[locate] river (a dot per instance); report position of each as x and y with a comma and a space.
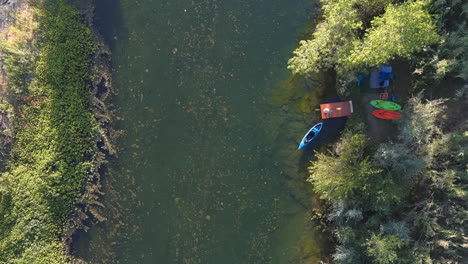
208, 170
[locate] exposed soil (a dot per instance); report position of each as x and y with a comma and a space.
378, 129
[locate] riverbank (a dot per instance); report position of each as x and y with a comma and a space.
55, 83
395, 191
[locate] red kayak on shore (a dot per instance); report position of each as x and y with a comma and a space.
386, 114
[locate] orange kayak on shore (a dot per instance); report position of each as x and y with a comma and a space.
386, 114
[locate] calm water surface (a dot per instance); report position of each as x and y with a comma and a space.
208, 170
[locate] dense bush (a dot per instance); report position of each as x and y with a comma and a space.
332, 40
401, 202
340, 177
405, 200
401, 31
449, 59
339, 43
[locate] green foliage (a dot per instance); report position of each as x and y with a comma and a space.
353, 176
453, 20
401, 31
384, 249
386, 193
332, 40
42, 252
370, 8
398, 158
54, 140
420, 123
404, 201
448, 60
441, 217
338, 42
375, 218
340, 177
398, 228
17, 68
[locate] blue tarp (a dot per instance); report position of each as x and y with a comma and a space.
381, 78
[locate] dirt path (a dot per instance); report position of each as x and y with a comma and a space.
378, 129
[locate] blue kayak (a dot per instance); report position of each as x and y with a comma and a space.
311, 135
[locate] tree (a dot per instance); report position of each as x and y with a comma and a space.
400, 32
345, 255
337, 42
337, 177
420, 122
332, 40
399, 159
384, 249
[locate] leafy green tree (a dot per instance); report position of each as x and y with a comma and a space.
337, 177
399, 228
400, 32
420, 123
399, 159
338, 42
332, 40
440, 217
371, 8
383, 249
385, 194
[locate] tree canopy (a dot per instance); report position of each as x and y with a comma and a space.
339, 43
332, 40
339, 177
401, 31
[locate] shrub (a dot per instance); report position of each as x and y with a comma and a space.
338, 177
400, 32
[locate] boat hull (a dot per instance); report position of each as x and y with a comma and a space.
316, 129
386, 114
385, 105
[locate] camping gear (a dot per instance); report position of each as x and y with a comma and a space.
380, 78
361, 78
339, 109
386, 114
311, 135
384, 96
385, 105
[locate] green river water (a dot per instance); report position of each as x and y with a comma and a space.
208, 169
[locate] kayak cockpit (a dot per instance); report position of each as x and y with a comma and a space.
310, 136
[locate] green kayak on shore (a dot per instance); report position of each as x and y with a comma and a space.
385, 105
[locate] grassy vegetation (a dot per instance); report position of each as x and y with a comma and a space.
403, 200
54, 131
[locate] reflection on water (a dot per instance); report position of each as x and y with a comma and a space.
208, 170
